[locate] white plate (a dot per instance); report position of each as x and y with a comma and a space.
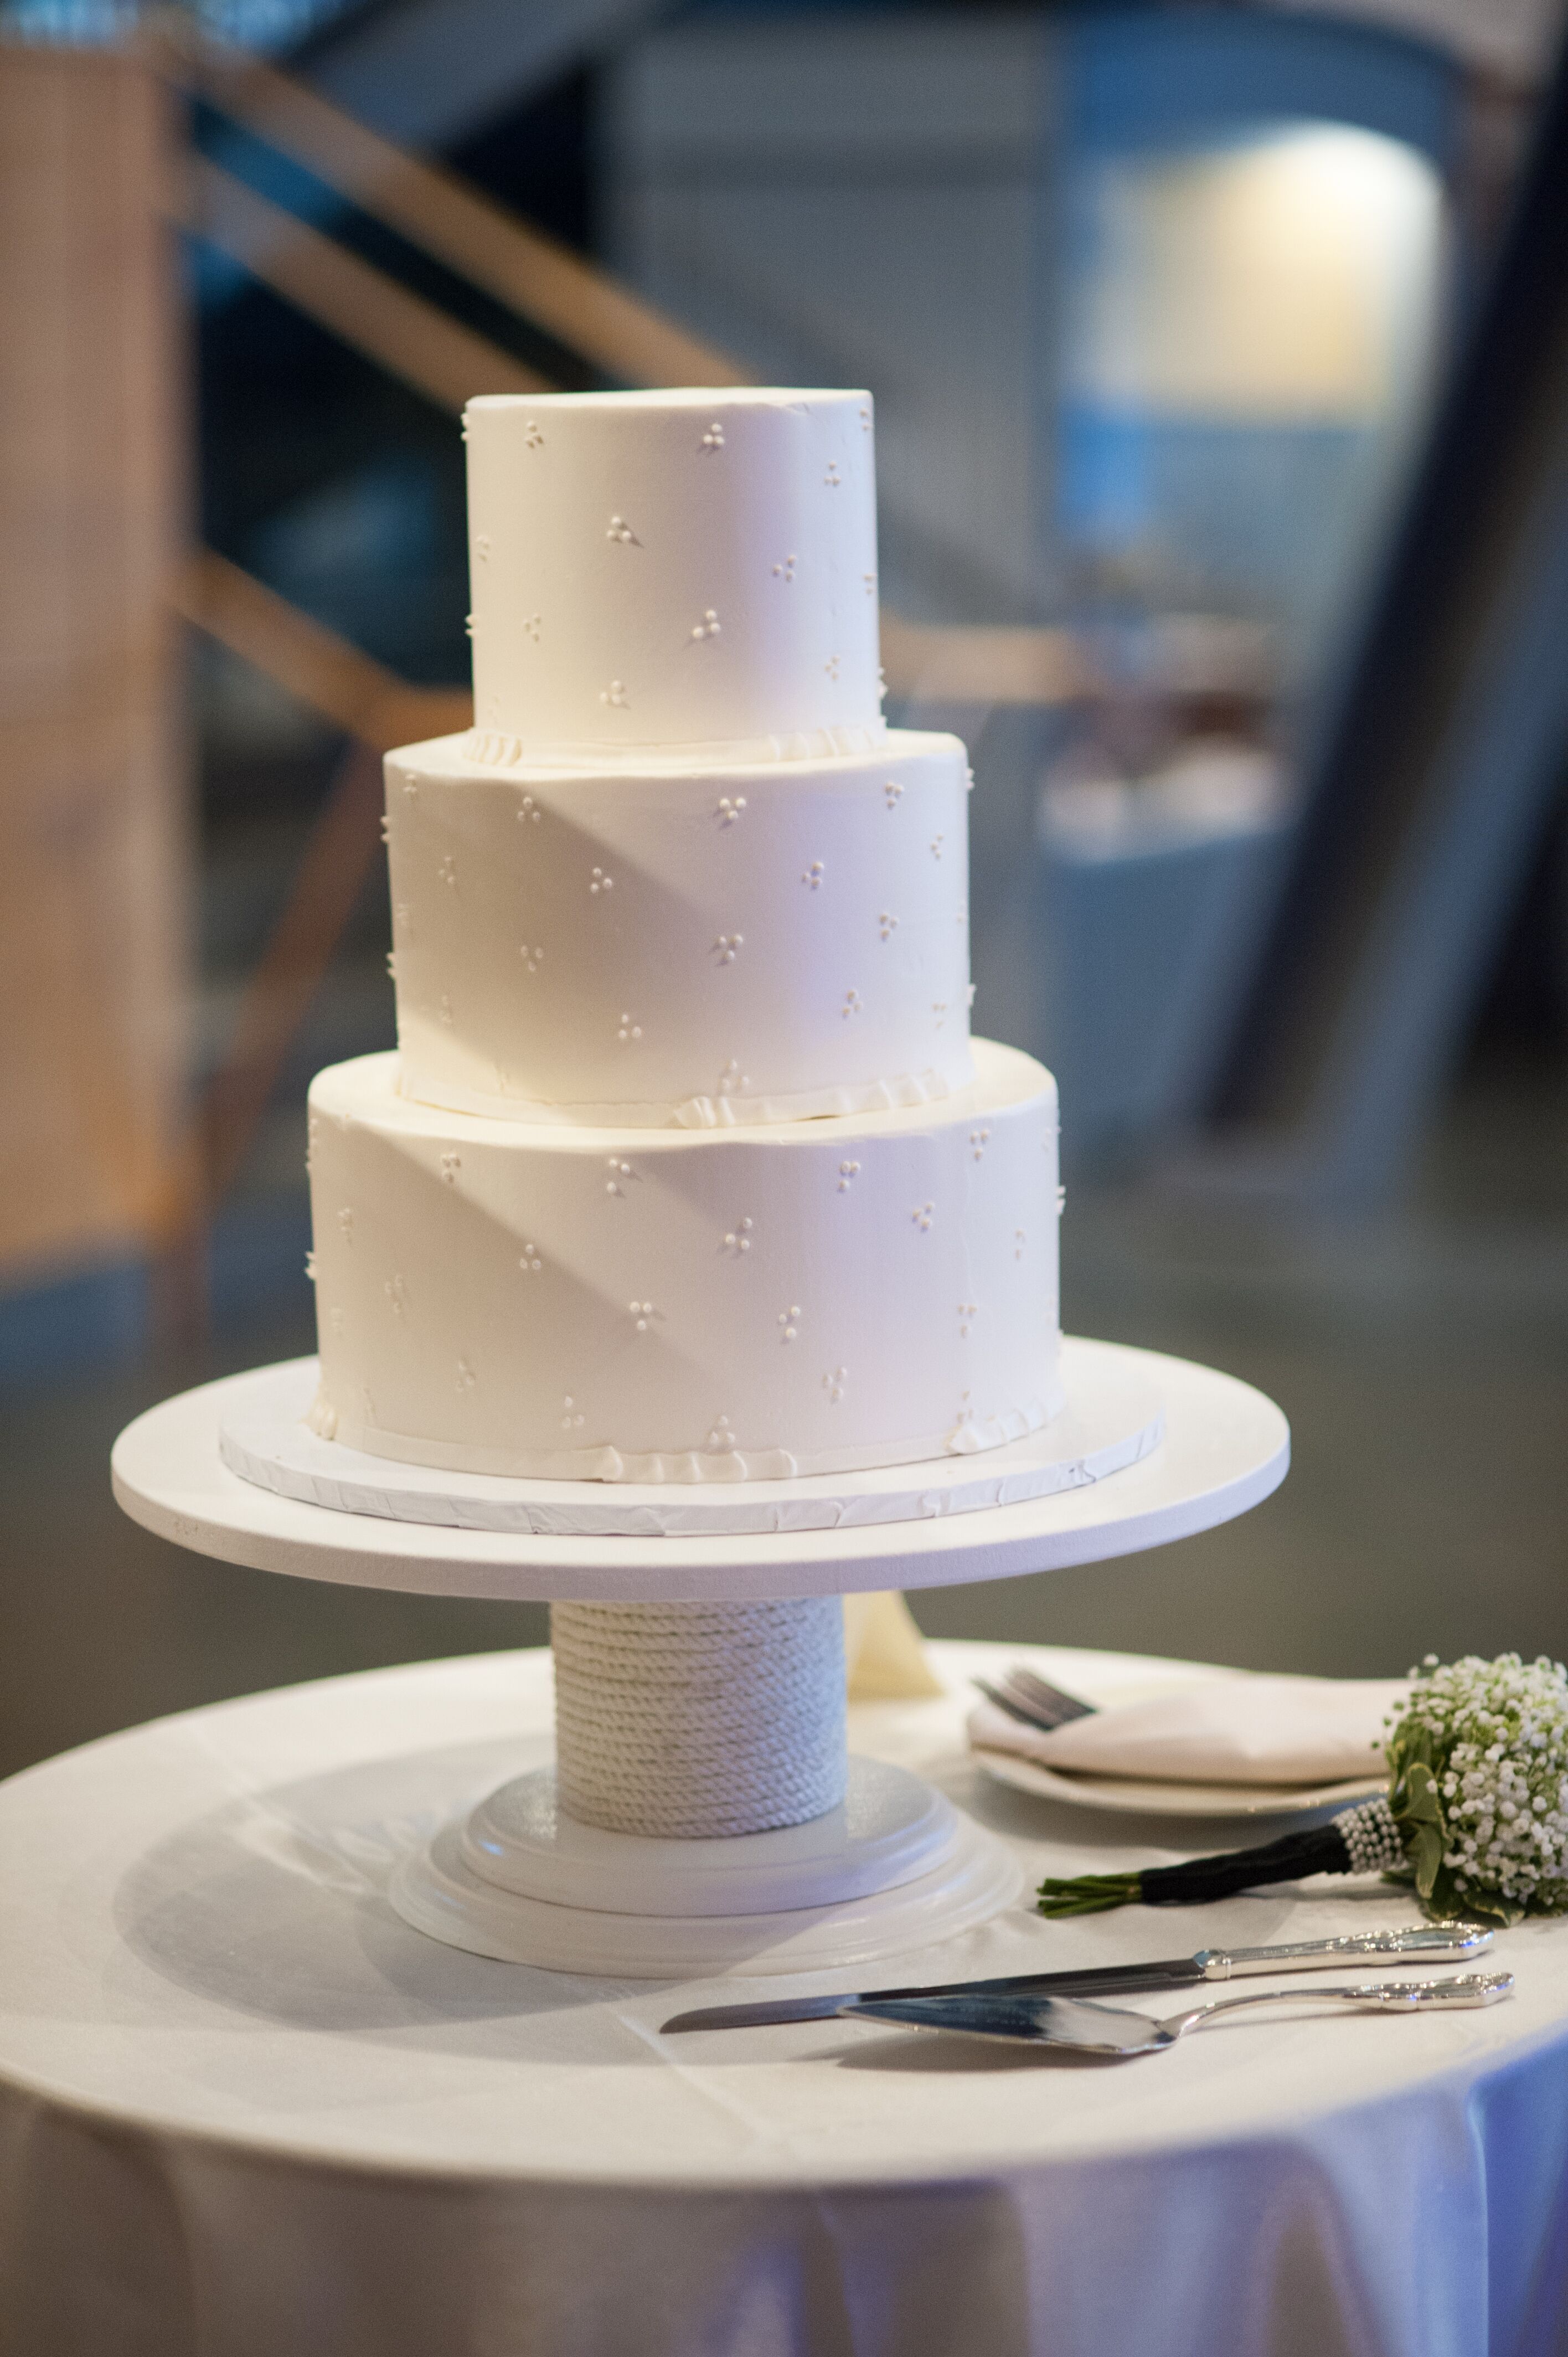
1129, 1797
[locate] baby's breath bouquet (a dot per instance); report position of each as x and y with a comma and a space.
1478, 1786
1475, 1814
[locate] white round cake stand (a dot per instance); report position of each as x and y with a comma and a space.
895, 1866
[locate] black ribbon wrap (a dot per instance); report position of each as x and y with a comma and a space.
1320, 1850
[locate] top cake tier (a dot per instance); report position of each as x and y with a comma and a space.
675, 570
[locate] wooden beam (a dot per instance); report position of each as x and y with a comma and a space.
581, 306
399, 331
94, 830
312, 663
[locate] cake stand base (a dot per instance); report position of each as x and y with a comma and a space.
895, 1867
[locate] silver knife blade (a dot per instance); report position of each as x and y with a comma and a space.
1432, 1942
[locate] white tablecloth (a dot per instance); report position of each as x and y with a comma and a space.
245, 2113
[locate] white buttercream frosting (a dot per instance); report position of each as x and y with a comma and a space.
683, 1304
703, 946
672, 569
687, 1170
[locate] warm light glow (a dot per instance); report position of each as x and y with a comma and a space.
1291, 279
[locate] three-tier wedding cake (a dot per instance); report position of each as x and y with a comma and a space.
686, 1167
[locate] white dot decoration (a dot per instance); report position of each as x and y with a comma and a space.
786, 571
446, 1010
482, 545
936, 846
619, 1171
621, 532
709, 626
812, 875
848, 1173
731, 1079
467, 1378
1019, 1242
396, 1295
886, 925
788, 1322
532, 626
968, 780
714, 440
832, 666
729, 810
642, 1314
532, 959
335, 1319
721, 1440
1061, 1199
969, 995
968, 1311
467, 626
386, 828
599, 882
853, 1005
530, 1261
615, 695
629, 1032
727, 946
392, 963
870, 581
411, 789
892, 793
310, 1266
979, 1140
922, 1215
940, 1009
572, 1419
833, 1384
737, 1239
450, 1165
346, 1224
532, 436
865, 421
528, 812
447, 871
833, 478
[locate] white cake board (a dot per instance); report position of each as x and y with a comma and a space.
263, 1438
895, 1867
1225, 1449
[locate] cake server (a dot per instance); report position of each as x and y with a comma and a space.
1427, 1944
1107, 2030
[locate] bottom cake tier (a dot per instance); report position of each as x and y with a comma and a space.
679, 1306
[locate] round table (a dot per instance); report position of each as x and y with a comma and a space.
246, 2111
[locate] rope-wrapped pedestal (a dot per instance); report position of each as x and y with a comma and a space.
699, 1721
702, 1814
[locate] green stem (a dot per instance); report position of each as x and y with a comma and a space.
1089, 1894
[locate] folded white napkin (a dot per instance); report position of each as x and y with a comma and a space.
1249, 1730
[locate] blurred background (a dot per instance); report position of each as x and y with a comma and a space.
1220, 357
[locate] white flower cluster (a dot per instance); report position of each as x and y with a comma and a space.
1498, 1732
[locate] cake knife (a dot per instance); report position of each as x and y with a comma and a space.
1428, 1943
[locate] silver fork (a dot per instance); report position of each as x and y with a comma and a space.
1033, 1700
1107, 2030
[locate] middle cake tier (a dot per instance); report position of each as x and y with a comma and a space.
670, 1306
649, 946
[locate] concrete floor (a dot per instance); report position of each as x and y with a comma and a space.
1423, 1361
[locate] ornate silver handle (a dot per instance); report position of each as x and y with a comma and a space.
1378, 1996
1431, 1944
